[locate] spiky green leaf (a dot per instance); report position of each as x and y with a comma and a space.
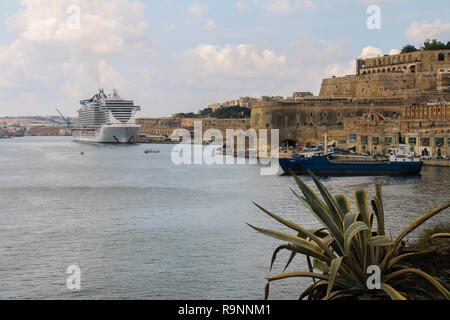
414, 225
334, 210
275, 253
323, 216
298, 274
445, 293
361, 203
343, 203
440, 235
304, 233
380, 241
335, 264
391, 292
302, 246
350, 233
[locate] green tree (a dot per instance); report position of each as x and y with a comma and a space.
433, 45
206, 112
235, 112
409, 48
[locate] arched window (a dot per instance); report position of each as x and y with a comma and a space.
441, 57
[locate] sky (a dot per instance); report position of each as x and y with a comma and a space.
180, 56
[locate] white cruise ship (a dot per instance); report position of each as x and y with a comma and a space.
107, 119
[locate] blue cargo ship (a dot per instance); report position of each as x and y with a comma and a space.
401, 161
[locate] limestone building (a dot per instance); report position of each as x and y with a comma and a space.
387, 98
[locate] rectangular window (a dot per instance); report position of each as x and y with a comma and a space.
388, 140
412, 140
364, 139
439, 142
425, 142
375, 140
353, 137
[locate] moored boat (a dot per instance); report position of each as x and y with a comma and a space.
107, 119
401, 161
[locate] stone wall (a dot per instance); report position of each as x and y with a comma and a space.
374, 85
305, 123
47, 131
166, 126
158, 126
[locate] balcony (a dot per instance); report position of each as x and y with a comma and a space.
391, 64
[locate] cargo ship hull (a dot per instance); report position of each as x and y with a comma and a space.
322, 165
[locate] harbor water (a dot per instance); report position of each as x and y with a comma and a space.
141, 227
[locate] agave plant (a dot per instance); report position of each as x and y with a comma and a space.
340, 254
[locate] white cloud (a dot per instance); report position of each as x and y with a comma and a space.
231, 60
370, 52
394, 52
197, 9
105, 75
286, 6
259, 69
420, 31
106, 26
46, 55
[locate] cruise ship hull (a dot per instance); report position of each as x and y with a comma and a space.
323, 166
123, 134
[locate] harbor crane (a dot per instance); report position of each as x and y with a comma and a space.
66, 120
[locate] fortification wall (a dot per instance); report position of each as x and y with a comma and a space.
166, 126
376, 85
158, 126
303, 123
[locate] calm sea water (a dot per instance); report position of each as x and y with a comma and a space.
140, 227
